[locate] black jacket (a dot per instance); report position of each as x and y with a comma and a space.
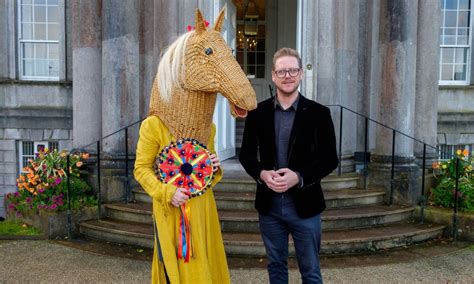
311, 152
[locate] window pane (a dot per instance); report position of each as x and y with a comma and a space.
261, 58
40, 31
27, 31
463, 19
260, 72
53, 31
463, 31
450, 19
451, 4
462, 40
447, 55
28, 50
449, 40
446, 72
251, 58
460, 72
53, 145
450, 31
52, 2
27, 13
41, 49
53, 51
461, 55
250, 70
40, 14
464, 4
41, 2
28, 148
53, 68
28, 67
42, 68
53, 14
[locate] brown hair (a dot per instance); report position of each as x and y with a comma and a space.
286, 51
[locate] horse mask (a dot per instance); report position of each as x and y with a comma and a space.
196, 67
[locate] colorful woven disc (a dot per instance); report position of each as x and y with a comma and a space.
185, 163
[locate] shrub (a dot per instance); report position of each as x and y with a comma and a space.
43, 185
445, 173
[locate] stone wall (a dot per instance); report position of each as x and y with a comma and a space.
30, 112
455, 115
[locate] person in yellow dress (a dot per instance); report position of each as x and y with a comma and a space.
181, 106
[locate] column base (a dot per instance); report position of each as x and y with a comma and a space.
406, 183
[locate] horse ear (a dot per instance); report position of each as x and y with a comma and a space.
200, 22
220, 20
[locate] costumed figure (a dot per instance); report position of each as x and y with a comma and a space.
175, 153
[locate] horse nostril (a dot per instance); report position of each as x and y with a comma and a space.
208, 51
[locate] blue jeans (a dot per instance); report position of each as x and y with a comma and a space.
275, 228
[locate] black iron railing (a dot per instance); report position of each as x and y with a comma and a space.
395, 134
367, 120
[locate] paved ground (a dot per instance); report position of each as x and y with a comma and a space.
54, 262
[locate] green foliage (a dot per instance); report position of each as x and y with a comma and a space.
8, 228
445, 172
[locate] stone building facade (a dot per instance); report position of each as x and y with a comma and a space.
74, 71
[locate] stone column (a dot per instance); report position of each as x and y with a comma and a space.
347, 69
120, 70
87, 69
427, 64
396, 103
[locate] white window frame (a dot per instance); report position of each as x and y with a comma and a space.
21, 41
469, 51
50, 145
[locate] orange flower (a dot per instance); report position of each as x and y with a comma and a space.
435, 165
79, 164
465, 152
85, 156
63, 154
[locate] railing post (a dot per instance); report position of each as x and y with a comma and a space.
98, 180
339, 170
366, 144
69, 213
392, 174
423, 199
456, 193
127, 180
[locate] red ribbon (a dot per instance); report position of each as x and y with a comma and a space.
190, 28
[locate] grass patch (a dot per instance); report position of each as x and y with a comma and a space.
9, 228
471, 247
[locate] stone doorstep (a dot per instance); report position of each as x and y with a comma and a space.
250, 244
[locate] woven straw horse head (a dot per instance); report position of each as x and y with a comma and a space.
196, 67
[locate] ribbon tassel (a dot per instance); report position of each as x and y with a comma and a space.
185, 248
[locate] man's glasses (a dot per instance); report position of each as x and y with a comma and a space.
293, 72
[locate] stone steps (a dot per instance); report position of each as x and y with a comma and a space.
250, 244
245, 184
247, 221
356, 219
245, 200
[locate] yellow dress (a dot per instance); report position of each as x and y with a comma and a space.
209, 263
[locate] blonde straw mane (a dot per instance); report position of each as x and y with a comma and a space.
171, 69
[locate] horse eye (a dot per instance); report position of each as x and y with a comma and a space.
208, 51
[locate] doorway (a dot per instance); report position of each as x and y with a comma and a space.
263, 26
